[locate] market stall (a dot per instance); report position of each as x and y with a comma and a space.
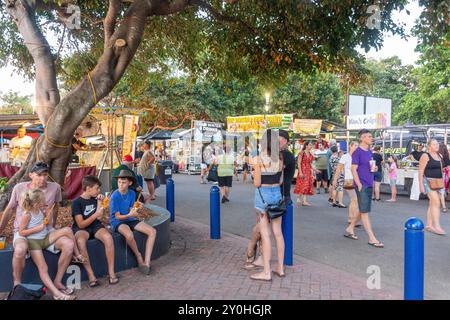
250, 128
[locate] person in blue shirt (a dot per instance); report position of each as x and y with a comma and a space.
124, 219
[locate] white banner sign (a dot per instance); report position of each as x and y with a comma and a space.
367, 121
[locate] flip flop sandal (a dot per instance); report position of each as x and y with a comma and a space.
376, 245
64, 297
94, 284
351, 236
67, 291
79, 259
113, 280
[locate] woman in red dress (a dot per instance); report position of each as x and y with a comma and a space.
305, 179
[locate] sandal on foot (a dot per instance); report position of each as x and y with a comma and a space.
113, 280
79, 259
64, 297
144, 269
94, 284
376, 244
350, 236
66, 291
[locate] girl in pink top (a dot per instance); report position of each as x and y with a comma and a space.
392, 160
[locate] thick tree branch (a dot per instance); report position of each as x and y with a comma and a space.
47, 93
109, 23
167, 7
219, 16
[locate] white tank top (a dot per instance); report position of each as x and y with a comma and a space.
35, 221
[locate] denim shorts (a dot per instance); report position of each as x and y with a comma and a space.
364, 199
428, 189
271, 195
378, 176
392, 182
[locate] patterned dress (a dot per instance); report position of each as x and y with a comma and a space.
334, 161
305, 186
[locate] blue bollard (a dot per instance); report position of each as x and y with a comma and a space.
287, 225
414, 260
170, 198
214, 211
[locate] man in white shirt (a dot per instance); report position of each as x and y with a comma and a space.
20, 147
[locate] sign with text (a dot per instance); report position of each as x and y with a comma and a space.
256, 123
367, 121
307, 127
130, 133
205, 131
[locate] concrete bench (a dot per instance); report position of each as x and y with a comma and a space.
124, 258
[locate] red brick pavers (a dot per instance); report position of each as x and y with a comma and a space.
199, 268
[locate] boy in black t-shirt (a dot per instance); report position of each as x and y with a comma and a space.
86, 212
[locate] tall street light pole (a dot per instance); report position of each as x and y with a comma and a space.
266, 108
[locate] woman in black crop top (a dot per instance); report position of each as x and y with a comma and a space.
430, 167
267, 178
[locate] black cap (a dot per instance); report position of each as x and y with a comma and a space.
39, 167
284, 134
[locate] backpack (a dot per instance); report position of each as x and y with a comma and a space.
27, 292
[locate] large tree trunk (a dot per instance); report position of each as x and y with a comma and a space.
46, 89
54, 148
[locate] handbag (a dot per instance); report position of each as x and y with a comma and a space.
436, 184
349, 184
27, 292
275, 210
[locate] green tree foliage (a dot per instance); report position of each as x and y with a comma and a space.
316, 96
429, 102
12, 102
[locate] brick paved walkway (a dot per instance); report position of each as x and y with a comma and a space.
199, 268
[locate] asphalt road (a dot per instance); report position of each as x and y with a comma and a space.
318, 232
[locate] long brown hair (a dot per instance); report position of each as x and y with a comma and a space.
30, 198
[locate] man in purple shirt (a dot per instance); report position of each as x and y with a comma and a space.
363, 175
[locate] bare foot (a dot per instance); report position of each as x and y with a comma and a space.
261, 276
258, 262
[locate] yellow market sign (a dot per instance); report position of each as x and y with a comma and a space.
255, 123
307, 127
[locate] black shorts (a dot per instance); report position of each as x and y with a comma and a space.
131, 224
245, 167
92, 229
322, 175
226, 181
148, 179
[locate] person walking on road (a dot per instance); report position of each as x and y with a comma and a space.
147, 168
345, 165
431, 182
337, 180
363, 168
392, 160
321, 168
226, 163
304, 186
378, 176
